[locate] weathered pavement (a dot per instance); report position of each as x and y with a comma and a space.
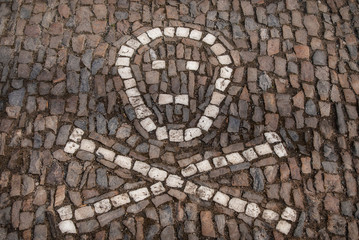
179, 119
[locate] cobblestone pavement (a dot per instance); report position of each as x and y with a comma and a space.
179, 119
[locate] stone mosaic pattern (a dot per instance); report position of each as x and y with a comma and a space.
179, 119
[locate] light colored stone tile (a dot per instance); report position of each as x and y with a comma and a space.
192, 133
154, 33
283, 227
264, 34
219, 162
280, 150
222, 84
141, 167
102, 206
129, 83
192, 65
144, 39
84, 212
270, 215
211, 111
136, 101
157, 188
125, 72
65, 212
204, 123
165, 99
182, 99
71, 147
139, 194
106, 154
176, 135
234, 158
133, 92
195, 34
120, 200
272, 137
189, 170
226, 72
205, 193
221, 198
157, 174
123, 161
142, 112
148, 124
133, 43
237, 204
174, 181
217, 98
263, 149
126, 51
169, 31
88, 145
253, 210
161, 133
190, 188
250, 154
289, 214
123, 61
209, 39
204, 166
159, 64
67, 226
76, 135
218, 49
224, 59
182, 32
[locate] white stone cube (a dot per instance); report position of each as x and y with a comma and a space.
226, 72
142, 112
176, 135
182, 32
88, 145
192, 65
253, 210
217, 98
270, 215
237, 204
106, 154
67, 226
289, 214
211, 111
157, 174
141, 167
169, 31
133, 43
195, 34
250, 154
234, 158
136, 101
65, 212
161, 133
221, 198
76, 134
182, 99
209, 39
71, 147
125, 72
123, 161
189, 170
154, 33
133, 92
120, 200
157, 188
283, 227
224, 59
218, 49
129, 83
204, 166
123, 61
165, 99
126, 51
159, 64
219, 162
263, 149
144, 39
148, 124
222, 84
204, 123
102, 206
190, 188
174, 181
192, 133
272, 137
280, 150
205, 193
264, 34
84, 212
139, 194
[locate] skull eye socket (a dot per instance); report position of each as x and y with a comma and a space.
179, 70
